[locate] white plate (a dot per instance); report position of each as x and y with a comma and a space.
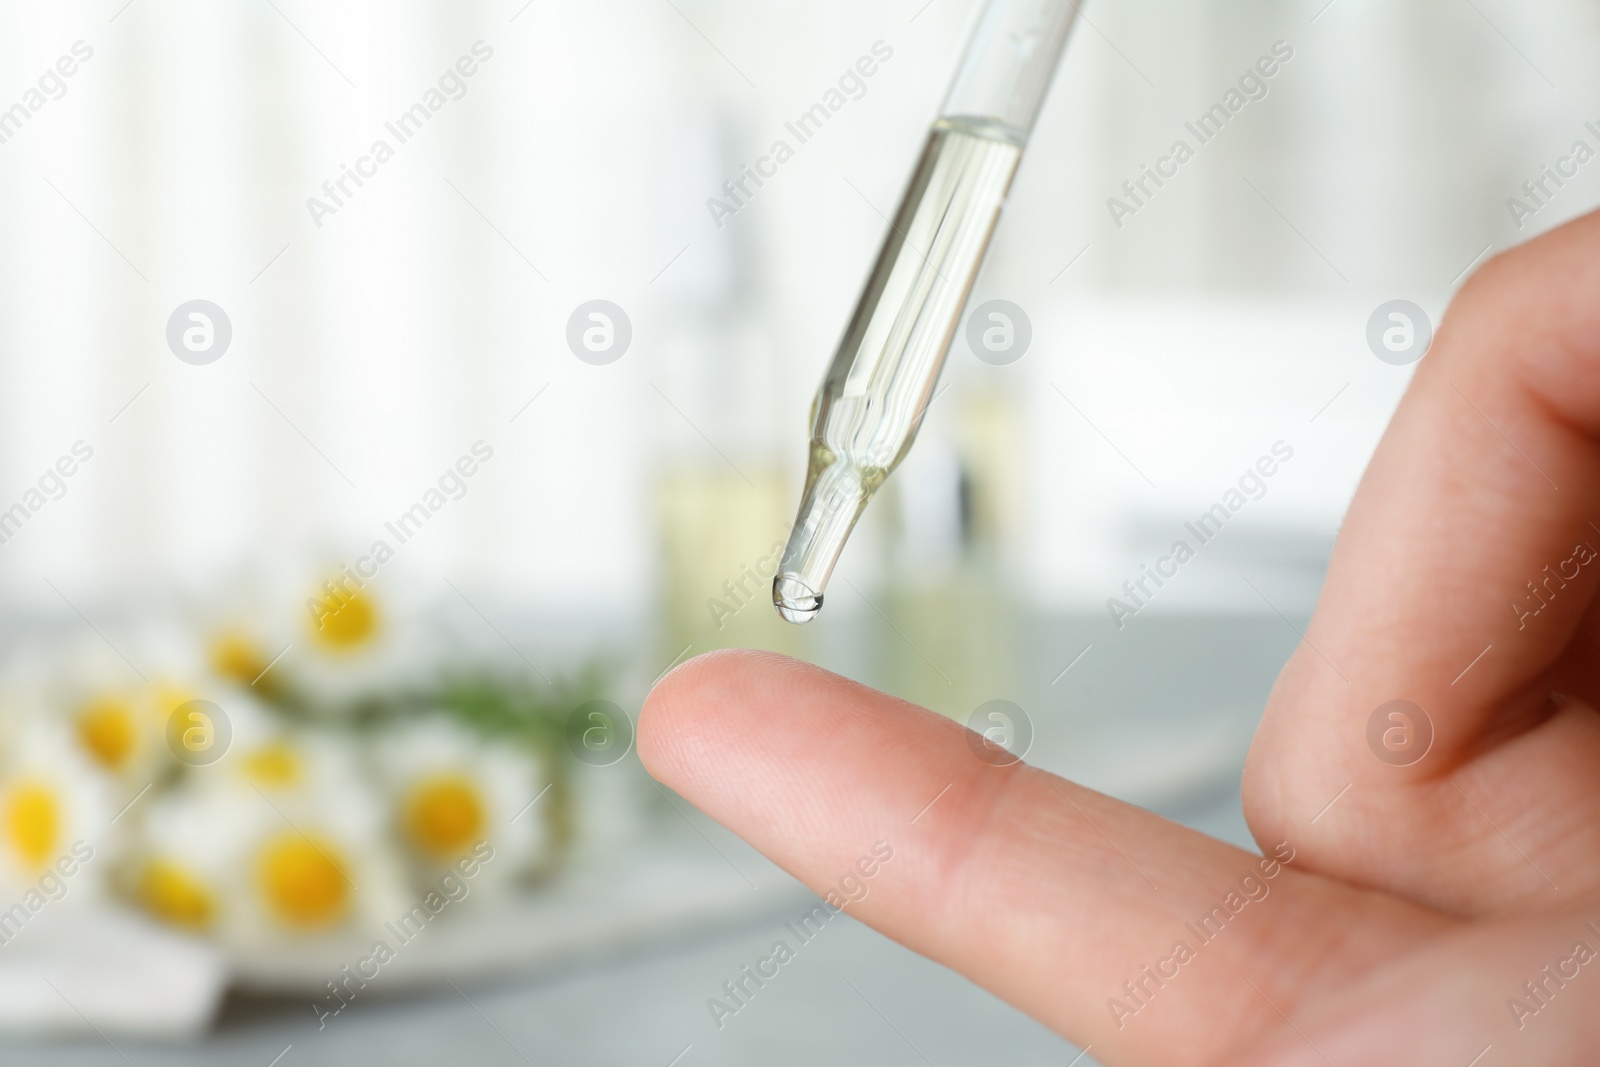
652, 893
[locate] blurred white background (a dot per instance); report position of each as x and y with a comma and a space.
372, 349
374, 345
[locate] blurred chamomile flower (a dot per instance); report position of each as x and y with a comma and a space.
118, 713
280, 839
354, 639
53, 805
244, 631
324, 639
449, 789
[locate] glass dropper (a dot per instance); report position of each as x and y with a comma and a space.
882, 378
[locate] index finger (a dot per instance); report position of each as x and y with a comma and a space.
1067, 903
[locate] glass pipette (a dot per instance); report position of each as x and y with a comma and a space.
882, 379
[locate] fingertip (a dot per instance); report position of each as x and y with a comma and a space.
696, 699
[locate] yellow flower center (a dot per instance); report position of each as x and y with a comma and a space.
32, 821
234, 655
107, 730
274, 765
170, 697
345, 621
444, 817
302, 881
171, 893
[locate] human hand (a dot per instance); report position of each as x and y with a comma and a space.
1401, 909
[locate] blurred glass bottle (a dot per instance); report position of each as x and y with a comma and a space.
722, 496
948, 593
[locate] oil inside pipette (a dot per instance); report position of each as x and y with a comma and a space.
883, 376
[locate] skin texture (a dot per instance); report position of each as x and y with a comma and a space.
1412, 910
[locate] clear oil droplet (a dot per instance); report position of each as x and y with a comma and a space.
796, 601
